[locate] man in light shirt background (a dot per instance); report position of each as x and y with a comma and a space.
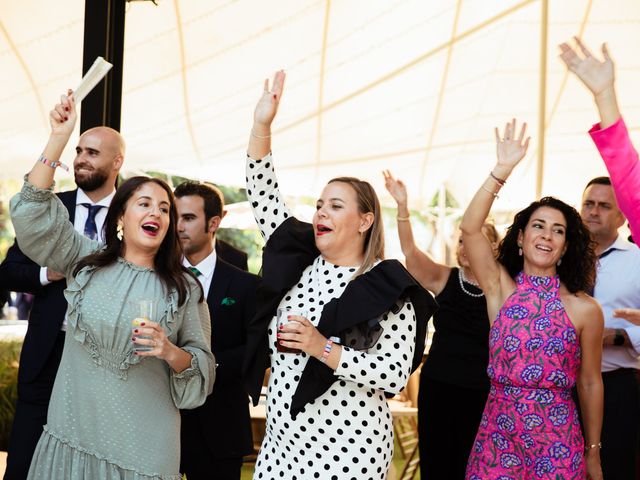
617, 287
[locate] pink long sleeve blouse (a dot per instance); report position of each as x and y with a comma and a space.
623, 165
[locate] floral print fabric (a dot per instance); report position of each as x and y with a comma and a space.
530, 428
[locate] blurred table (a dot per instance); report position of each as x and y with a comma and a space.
12, 330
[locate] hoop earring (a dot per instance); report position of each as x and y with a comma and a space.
120, 231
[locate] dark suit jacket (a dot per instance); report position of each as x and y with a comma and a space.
232, 255
18, 273
224, 419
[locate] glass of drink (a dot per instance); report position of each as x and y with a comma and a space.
282, 319
142, 311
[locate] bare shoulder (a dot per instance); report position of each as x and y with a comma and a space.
581, 308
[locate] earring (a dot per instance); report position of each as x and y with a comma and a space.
559, 262
120, 231
519, 250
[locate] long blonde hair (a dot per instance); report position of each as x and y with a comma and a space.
367, 203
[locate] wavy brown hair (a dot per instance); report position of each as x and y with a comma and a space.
368, 203
167, 261
578, 267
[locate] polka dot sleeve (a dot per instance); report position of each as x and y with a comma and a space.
268, 207
386, 365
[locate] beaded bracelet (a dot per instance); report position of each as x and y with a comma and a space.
326, 351
499, 181
592, 446
52, 164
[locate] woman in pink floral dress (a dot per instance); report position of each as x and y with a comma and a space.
546, 337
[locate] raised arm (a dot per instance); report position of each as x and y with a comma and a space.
62, 120
431, 275
268, 206
40, 220
263, 115
610, 136
492, 277
598, 76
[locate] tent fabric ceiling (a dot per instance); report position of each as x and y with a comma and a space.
409, 85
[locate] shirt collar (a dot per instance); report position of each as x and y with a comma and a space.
206, 266
82, 197
619, 244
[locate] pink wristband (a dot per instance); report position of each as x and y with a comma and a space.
51, 164
326, 351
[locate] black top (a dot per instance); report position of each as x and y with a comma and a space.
287, 253
460, 348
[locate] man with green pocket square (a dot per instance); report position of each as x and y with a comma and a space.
215, 436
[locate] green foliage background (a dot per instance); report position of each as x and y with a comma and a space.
9, 355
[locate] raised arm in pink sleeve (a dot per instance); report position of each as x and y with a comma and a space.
623, 165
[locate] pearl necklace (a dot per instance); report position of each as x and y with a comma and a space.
462, 279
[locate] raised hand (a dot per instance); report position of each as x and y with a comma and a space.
596, 75
395, 187
63, 116
511, 149
630, 314
267, 106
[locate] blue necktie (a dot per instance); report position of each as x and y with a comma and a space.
90, 227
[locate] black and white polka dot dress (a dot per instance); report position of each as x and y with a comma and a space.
347, 432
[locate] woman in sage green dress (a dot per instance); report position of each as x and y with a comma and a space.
114, 408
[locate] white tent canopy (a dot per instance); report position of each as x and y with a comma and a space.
411, 85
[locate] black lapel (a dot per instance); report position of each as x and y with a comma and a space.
219, 286
68, 199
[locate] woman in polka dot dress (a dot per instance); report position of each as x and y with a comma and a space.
342, 430
546, 336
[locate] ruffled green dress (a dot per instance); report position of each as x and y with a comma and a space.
113, 415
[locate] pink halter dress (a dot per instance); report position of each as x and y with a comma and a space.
530, 427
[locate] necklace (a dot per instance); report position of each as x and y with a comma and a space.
462, 279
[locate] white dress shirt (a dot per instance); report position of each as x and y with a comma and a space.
618, 286
207, 266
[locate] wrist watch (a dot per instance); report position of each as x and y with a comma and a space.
618, 340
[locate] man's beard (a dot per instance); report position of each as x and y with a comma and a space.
91, 181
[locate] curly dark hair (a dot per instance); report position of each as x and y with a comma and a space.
167, 261
578, 267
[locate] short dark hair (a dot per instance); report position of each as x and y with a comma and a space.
599, 181
211, 196
578, 268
